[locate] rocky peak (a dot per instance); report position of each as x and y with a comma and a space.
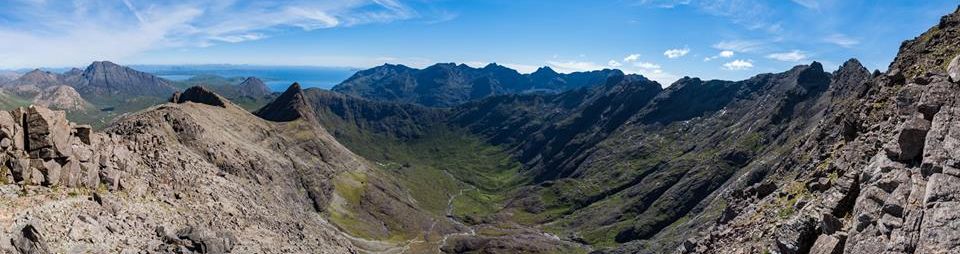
104, 79
291, 105
253, 87
544, 71
73, 72
199, 94
38, 78
852, 67
61, 97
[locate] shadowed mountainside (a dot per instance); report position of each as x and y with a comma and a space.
447, 85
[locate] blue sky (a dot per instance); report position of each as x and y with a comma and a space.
661, 39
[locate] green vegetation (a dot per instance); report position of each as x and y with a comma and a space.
8, 101
437, 166
787, 203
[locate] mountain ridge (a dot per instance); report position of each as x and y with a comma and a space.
450, 84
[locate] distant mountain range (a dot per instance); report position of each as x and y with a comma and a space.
448, 84
104, 90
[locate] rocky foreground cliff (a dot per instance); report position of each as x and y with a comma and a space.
197, 175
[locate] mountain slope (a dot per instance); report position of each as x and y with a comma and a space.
412, 145
63, 98
877, 177
103, 79
446, 85
198, 175
176, 176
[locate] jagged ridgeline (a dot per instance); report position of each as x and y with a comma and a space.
454, 159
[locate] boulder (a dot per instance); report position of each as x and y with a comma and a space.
204, 241
48, 133
83, 132
911, 138
829, 224
29, 241
827, 244
51, 172
954, 69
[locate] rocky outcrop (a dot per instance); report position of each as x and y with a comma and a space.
192, 167
42, 148
198, 94
30, 241
61, 97
884, 181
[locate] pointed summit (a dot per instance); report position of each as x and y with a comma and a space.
291, 105
253, 87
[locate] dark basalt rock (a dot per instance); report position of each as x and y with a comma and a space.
199, 94
911, 138
290, 106
448, 84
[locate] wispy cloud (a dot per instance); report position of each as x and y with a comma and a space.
738, 64
752, 14
841, 40
631, 58
739, 45
792, 56
809, 4
675, 53
56, 33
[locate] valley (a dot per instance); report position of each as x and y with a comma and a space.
455, 159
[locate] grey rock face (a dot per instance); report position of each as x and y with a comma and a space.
954, 68
827, 244
912, 136
107, 192
30, 241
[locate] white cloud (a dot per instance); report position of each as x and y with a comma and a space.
61, 33
792, 56
614, 63
738, 65
724, 54
522, 68
675, 53
841, 40
738, 45
632, 58
649, 70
